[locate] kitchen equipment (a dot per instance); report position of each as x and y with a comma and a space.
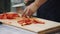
28, 2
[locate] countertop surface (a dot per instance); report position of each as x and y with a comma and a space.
6, 29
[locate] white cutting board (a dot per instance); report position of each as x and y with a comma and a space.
34, 27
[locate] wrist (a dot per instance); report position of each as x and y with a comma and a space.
38, 3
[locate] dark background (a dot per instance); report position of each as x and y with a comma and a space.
5, 6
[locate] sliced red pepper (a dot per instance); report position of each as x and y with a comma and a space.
38, 22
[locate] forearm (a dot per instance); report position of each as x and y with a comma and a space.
37, 4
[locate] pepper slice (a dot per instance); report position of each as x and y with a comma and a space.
28, 21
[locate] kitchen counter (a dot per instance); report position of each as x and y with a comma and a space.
6, 29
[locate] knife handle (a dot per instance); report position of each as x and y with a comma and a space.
1, 23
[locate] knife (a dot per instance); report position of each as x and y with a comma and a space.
1, 23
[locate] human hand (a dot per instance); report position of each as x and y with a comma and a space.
27, 12
30, 9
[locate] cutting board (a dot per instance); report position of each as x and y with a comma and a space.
33, 27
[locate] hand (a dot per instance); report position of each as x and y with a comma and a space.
28, 11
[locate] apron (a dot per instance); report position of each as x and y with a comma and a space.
50, 10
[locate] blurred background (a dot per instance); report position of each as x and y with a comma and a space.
12, 6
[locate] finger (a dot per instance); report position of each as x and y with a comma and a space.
25, 10
24, 13
30, 13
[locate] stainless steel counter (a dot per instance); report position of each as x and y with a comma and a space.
5, 29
